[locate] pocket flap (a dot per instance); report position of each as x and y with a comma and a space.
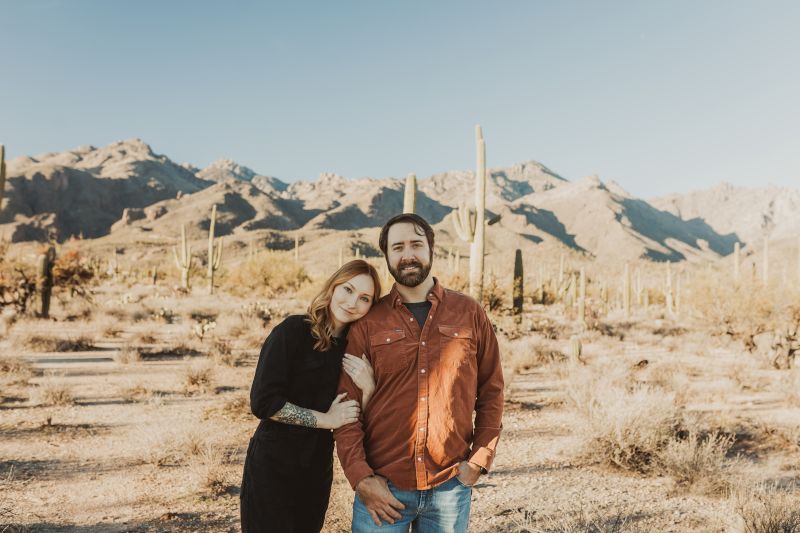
458, 332
387, 337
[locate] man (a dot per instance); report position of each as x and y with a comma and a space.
413, 455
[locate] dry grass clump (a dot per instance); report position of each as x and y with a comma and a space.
52, 343
268, 273
207, 469
53, 392
7, 513
128, 354
198, 378
222, 353
697, 464
766, 509
138, 392
590, 519
14, 370
621, 426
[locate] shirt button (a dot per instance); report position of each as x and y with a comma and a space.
422, 429
423, 343
455, 334
423, 370
419, 459
411, 319
387, 340
423, 398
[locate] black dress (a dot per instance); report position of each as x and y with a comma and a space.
289, 469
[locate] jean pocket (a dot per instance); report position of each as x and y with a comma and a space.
461, 483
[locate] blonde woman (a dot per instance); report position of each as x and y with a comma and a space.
289, 466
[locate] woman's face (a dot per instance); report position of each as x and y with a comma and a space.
352, 299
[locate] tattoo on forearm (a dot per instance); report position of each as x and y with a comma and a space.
292, 414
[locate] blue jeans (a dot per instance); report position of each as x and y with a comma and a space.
442, 509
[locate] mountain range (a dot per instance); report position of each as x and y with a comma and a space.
126, 191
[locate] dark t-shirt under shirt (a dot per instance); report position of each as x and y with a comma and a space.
419, 310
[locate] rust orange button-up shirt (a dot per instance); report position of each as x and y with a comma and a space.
418, 425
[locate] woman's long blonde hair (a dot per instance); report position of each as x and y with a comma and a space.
319, 312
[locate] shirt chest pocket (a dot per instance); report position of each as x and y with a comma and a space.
390, 351
456, 346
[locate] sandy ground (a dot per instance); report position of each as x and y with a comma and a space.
117, 461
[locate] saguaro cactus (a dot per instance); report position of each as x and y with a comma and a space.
736, 261
44, 281
626, 291
184, 263
668, 291
214, 253
517, 296
582, 298
2, 173
470, 223
410, 194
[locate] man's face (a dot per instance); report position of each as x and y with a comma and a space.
407, 254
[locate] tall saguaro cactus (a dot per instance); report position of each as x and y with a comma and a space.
214, 253
2, 172
410, 194
44, 281
582, 298
470, 222
668, 293
517, 296
626, 291
184, 263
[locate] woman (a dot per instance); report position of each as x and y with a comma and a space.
289, 466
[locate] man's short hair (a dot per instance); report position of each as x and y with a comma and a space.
421, 227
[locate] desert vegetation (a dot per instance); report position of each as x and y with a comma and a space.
639, 397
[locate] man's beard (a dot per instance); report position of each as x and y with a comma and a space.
413, 278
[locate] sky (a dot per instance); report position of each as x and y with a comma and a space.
660, 97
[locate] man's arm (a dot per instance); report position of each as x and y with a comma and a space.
350, 438
489, 405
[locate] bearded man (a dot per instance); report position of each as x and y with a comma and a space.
414, 454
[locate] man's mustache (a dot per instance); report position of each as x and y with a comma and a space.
409, 263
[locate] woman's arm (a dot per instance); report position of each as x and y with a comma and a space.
360, 371
339, 414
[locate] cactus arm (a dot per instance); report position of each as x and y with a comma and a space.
2, 172
410, 194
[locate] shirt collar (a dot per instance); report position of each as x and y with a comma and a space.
436, 293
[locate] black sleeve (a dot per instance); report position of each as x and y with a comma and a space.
271, 382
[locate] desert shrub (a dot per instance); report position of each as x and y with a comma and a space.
198, 378
222, 353
620, 426
207, 469
268, 274
586, 519
136, 393
52, 343
697, 463
72, 274
14, 370
741, 310
128, 354
766, 509
53, 392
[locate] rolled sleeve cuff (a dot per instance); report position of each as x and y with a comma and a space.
356, 472
482, 457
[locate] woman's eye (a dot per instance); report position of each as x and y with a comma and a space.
348, 289
365, 299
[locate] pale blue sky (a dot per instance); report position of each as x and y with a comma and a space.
662, 97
